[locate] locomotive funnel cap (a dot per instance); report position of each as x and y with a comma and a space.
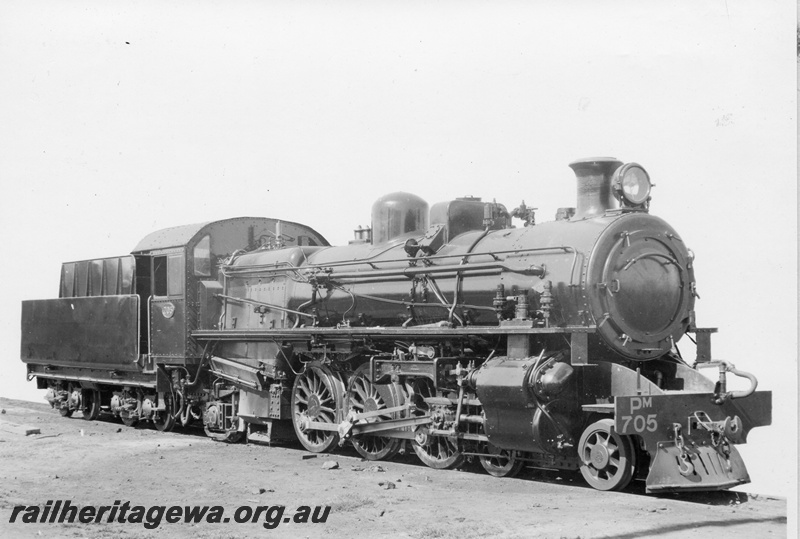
595, 194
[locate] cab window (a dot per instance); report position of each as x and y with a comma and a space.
202, 257
168, 275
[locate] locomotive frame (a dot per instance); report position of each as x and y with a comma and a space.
446, 330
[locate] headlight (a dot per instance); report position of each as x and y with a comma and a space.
632, 184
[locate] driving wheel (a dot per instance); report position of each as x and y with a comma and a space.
365, 396
315, 396
439, 452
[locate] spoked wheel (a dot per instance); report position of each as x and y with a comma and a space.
607, 459
90, 404
165, 421
364, 396
502, 462
65, 412
315, 396
439, 452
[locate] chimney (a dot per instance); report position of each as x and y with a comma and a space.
594, 185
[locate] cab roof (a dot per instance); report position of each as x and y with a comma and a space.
180, 236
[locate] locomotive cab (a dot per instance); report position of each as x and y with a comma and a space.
181, 266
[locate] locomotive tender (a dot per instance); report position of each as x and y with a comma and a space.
445, 329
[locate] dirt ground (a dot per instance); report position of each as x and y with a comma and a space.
95, 463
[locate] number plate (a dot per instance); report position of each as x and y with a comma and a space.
636, 415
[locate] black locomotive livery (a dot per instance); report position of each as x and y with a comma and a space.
446, 329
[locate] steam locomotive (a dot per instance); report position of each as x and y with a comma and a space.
443, 329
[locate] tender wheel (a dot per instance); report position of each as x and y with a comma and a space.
607, 459
502, 463
437, 452
364, 396
90, 404
314, 398
165, 421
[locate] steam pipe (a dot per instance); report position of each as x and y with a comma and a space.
450, 268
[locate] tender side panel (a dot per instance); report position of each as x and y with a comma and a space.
100, 332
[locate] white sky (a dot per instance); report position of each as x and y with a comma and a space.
118, 118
